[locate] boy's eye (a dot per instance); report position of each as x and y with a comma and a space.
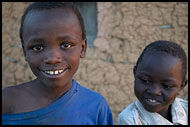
145, 81
37, 48
66, 45
167, 86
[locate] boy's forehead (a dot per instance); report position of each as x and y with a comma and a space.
154, 55
159, 58
161, 64
44, 22
55, 14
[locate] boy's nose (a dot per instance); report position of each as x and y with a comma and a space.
52, 58
155, 90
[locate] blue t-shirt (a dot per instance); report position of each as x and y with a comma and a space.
79, 106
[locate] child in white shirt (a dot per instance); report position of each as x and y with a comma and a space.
160, 74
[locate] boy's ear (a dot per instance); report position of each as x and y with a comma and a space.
134, 70
24, 52
84, 48
184, 84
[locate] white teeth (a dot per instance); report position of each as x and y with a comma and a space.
152, 100
54, 72
60, 71
48, 72
51, 72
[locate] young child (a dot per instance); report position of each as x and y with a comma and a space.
53, 39
160, 74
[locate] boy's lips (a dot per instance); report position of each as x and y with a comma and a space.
58, 71
152, 101
55, 73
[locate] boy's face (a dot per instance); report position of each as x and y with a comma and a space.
53, 45
158, 80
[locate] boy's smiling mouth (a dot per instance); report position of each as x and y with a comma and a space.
56, 73
152, 101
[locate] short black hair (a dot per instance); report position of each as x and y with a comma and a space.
170, 48
52, 5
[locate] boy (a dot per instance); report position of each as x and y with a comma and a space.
53, 40
160, 74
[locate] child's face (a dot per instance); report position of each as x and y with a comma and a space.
53, 45
158, 80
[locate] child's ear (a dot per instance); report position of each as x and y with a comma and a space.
184, 84
134, 70
24, 52
84, 47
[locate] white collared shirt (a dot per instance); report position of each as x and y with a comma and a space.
135, 114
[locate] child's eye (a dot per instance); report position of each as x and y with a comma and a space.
66, 45
145, 81
167, 86
37, 48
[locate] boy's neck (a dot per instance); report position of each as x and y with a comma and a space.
167, 114
52, 93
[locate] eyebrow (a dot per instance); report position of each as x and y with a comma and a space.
169, 80
165, 80
144, 73
36, 40
64, 38
41, 40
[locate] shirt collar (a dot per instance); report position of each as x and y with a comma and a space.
178, 115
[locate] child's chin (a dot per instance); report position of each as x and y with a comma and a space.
55, 83
151, 109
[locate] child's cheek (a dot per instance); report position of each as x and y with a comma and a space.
33, 60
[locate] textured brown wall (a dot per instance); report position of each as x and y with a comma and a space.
124, 29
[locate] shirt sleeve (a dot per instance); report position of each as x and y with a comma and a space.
129, 116
122, 121
105, 114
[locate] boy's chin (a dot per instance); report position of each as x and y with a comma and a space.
56, 82
152, 109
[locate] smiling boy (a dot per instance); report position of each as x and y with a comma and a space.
53, 40
160, 74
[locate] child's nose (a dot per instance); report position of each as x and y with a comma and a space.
53, 57
155, 90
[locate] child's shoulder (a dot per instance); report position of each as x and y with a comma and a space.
14, 90
183, 103
10, 96
128, 114
11, 91
182, 100
128, 110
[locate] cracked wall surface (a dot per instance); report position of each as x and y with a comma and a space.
124, 29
